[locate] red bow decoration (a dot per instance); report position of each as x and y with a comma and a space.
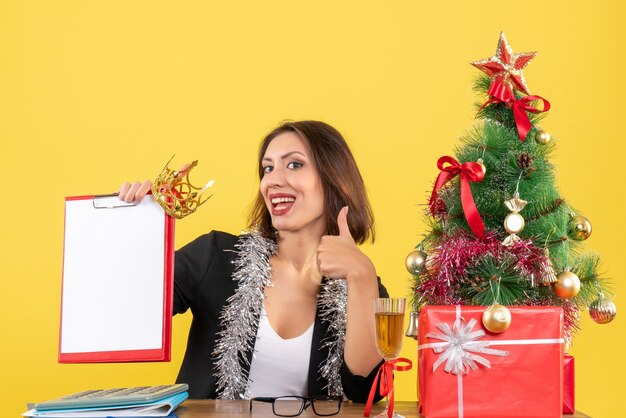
500, 93
385, 373
469, 171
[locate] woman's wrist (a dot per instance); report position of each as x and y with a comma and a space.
362, 271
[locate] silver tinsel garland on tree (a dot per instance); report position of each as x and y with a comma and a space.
240, 319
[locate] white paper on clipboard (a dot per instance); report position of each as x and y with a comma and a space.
117, 281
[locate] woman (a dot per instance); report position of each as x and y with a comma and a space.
287, 309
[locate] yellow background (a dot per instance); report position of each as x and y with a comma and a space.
93, 93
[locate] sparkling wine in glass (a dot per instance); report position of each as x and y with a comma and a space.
389, 314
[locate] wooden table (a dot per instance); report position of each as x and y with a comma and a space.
213, 408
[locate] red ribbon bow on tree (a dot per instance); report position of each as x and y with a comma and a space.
500, 93
385, 373
469, 171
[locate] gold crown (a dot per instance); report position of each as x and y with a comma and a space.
175, 193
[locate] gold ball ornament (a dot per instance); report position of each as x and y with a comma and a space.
514, 223
497, 318
602, 310
567, 285
543, 137
416, 261
432, 263
482, 165
580, 228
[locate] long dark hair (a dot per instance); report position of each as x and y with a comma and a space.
341, 180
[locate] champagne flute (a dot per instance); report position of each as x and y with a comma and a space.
389, 314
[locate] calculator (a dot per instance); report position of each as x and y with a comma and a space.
112, 397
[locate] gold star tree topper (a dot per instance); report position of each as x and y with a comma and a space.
506, 66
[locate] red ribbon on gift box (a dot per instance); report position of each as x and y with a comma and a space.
469, 171
500, 93
385, 373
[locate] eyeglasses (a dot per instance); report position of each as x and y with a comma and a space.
292, 406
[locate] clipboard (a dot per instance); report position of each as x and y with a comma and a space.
117, 287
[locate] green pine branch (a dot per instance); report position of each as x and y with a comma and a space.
492, 281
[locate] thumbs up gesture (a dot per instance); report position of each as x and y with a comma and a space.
339, 257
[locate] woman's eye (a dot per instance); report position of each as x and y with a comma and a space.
267, 169
294, 165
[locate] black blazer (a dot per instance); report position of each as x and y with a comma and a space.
203, 283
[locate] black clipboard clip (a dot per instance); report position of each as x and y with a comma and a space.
110, 201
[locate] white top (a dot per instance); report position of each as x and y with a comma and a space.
279, 367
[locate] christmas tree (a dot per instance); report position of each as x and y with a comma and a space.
500, 233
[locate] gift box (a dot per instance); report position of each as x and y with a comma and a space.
467, 372
568, 384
